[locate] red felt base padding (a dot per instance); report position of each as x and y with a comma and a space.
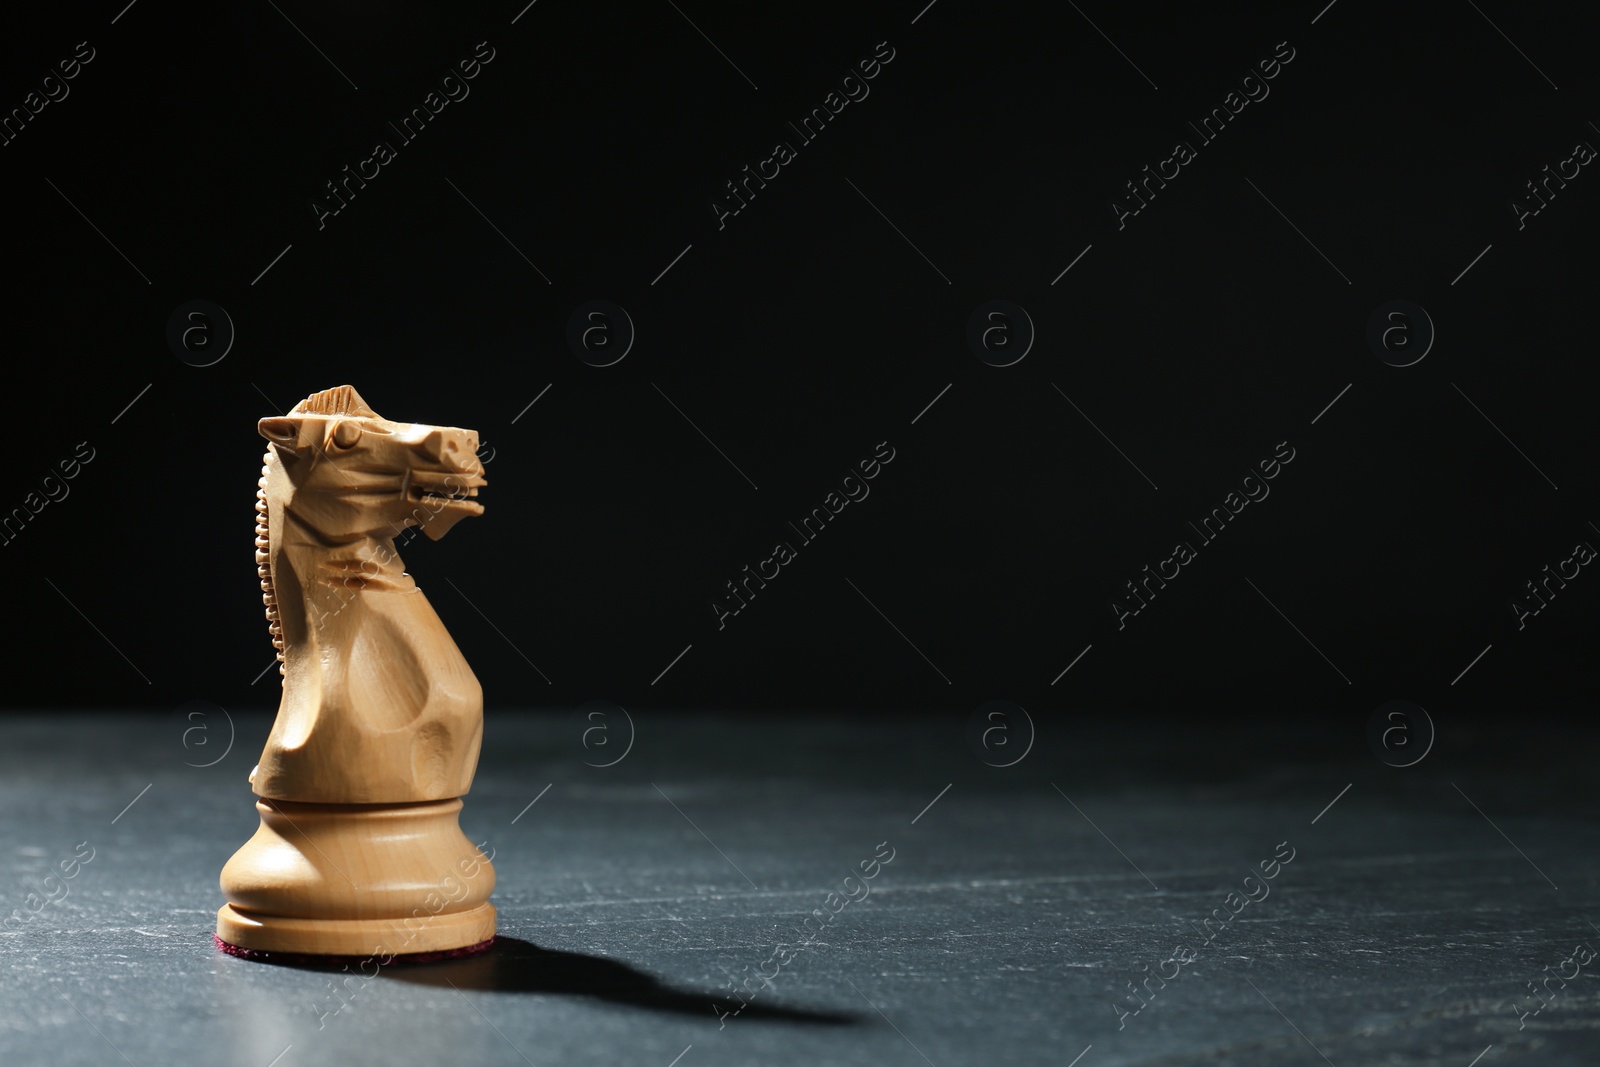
309, 958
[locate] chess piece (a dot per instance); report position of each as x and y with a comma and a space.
376, 739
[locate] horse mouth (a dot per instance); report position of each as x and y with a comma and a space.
458, 495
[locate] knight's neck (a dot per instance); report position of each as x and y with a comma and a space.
336, 573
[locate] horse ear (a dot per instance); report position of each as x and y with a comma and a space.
283, 433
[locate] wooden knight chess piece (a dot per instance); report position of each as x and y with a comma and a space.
377, 735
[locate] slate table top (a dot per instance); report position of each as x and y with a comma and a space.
1419, 910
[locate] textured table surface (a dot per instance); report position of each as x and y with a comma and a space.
1019, 904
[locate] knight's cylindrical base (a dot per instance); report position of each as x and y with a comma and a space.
357, 880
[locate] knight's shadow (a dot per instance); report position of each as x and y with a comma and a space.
516, 966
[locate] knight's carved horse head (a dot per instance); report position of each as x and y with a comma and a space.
349, 473
371, 677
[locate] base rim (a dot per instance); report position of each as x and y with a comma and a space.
256, 955
359, 938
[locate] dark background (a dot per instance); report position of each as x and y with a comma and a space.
808, 330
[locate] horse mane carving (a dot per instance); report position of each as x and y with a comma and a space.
340, 400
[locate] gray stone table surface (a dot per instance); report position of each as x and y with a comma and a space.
1420, 909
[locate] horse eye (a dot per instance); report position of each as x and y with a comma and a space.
346, 434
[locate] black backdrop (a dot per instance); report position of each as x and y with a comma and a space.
821, 320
